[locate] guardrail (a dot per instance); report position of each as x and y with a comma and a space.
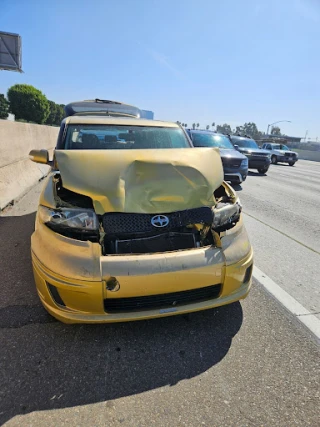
17, 173
308, 155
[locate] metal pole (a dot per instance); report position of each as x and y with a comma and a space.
280, 121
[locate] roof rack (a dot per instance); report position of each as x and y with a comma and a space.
101, 107
107, 101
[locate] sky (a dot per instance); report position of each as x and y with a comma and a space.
203, 61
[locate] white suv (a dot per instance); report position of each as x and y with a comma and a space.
281, 153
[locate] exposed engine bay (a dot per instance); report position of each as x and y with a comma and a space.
141, 233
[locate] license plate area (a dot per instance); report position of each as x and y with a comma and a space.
152, 274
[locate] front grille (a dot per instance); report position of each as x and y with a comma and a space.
160, 243
127, 223
231, 163
290, 155
259, 154
174, 299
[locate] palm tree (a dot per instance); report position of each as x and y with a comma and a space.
213, 124
193, 125
198, 125
185, 125
207, 127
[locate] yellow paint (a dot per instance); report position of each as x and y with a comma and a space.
143, 181
80, 271
136, 181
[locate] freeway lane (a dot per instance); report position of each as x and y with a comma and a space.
282, 218
248, 364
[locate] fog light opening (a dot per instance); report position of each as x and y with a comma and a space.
248, 274
112, 285
55, 295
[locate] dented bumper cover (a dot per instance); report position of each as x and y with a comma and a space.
79, 273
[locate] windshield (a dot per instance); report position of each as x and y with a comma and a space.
210, 140
104, 137
244, 142
280, 147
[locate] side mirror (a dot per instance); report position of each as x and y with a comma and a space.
39, 156
236, 147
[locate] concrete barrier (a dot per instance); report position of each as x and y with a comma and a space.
17, 173
308, 155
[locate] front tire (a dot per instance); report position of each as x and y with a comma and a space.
291, 163
274, 160
263, 170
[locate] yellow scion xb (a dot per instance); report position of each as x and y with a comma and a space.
133, 222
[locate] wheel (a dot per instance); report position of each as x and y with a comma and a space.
274, 160
263, 170
291, 163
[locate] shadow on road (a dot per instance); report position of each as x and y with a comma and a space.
48, 365
282, 164
237, 187
252, 173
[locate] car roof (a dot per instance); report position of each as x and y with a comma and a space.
112, 121
102, 107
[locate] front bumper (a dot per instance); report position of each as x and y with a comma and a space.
259, 162
78, 272
287, 159
235, 174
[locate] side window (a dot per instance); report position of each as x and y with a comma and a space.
269, 147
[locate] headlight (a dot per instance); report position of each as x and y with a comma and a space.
225, 215
75, 223
244, 162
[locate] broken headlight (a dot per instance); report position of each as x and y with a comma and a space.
81, 224
225, 215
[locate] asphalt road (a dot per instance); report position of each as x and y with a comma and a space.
247, 364
282, 218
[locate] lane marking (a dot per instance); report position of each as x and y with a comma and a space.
298, 310
281, 232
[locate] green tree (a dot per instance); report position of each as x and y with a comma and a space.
225, 128
60, 114
198, 125
4, 107
52, 113
28, 103
249, 129
193, 125
57, 114
239, 130
207, 127
276, 131
213, 124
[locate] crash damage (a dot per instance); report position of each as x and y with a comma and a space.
140, 202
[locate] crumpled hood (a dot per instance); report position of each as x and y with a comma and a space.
143, 181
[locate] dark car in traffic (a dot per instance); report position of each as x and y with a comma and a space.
258, 159
235, 164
